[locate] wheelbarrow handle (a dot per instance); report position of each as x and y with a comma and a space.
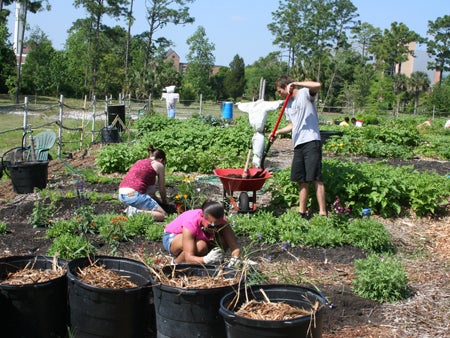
272, 134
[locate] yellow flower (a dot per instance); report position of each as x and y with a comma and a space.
185, 196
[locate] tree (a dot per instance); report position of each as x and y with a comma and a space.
160, 13
393, 47
33, 7
217, 84
313, 30
96, 10
7, 57
439, 46
417, 84
363, 37
438, 99
269, 68
201, 60
36, 70
235, 80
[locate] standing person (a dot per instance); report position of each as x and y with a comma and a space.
303, 122
134, 186
191, 237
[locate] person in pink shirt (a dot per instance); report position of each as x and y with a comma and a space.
133, 190
200, 236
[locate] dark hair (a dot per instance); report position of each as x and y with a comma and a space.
156, 153
283, 81
215, 209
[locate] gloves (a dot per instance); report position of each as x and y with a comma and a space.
214, 256
234, 262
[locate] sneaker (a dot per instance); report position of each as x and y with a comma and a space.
304, 215
131, 211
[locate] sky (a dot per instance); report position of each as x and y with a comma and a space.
238, 26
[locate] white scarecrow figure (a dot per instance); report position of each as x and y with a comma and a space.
171, 99
257, 116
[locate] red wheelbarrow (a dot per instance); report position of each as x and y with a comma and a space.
232, 181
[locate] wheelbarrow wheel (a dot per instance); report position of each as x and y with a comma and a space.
244, 203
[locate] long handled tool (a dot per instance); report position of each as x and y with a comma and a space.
272, 134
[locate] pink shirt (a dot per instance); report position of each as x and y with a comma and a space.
140, 176
192, 221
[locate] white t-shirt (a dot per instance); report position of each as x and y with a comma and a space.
302, 112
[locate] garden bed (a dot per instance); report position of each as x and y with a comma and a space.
423, 246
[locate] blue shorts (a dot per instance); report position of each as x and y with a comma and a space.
139, 201
167, 240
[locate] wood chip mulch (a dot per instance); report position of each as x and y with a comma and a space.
31, 276
254, 309
186, 281
100, 276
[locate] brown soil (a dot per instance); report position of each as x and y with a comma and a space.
422, 244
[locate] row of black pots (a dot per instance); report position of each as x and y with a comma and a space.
66, 304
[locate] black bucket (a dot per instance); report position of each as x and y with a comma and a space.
26, 176
33, 310
106, 312
116, 110
326, 134
301, 327
110, 135
189, 313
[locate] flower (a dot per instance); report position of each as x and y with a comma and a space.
188, 194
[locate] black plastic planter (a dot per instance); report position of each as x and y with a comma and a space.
105, 312
326, 134
189, 313
110, 135
36, 310
26, 176
301, 327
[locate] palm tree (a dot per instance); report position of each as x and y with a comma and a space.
418, 83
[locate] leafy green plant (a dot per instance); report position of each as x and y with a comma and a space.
70, 246
189, 196
380, 278
114, 232
61, 227
154, 232
3, 228
138, 224
369, 235
322, 231
42, 214
84, 217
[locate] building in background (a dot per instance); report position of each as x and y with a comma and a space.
419, 63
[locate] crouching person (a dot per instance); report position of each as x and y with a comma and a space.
200, 236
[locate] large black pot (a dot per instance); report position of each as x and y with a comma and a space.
190, 313
33, 310
26, 176
301, 327
105, 312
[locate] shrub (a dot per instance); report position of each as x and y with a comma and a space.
69, 246
380, 278
369, 235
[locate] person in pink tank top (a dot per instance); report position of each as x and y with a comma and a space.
201, 236
133, 190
